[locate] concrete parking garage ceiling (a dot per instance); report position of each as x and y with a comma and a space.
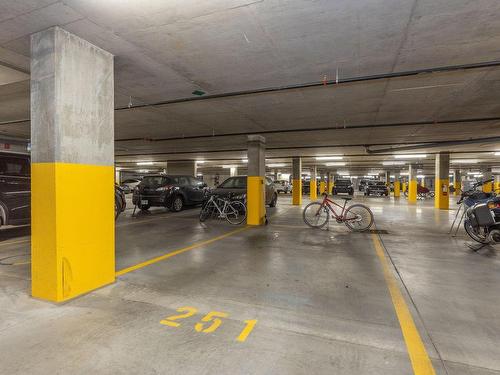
255, 62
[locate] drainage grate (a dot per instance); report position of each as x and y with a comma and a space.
379, 231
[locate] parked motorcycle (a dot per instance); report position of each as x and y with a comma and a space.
482, 215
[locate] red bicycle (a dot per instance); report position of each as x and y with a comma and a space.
357, 217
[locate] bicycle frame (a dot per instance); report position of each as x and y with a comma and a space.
214, 200
328, 203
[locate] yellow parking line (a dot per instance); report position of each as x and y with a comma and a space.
179, 251
419, 358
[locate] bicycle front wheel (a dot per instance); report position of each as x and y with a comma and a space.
206, 211
358, 218
315, 215
236, 212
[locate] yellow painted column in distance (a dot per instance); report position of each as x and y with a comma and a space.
313, 190
412, 192
488, 187
441, 196
330, 187
256, 209
71, 245
296, 192
397, 189
497, 186
322, 187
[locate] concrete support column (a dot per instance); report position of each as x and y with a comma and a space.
322, 183
412, 184
331, 177
275, 174
397, 185
256, 209
313, 187
442, 181
488, 184
457, 181
404, 187
72, 148
297, 181
387, 177
233, 171
182, 168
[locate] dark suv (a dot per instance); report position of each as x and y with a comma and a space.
376, 188
343, 186
15, 189
173, 192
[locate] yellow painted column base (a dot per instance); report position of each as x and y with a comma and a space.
322, 187
296, 192
412, 192
397, 189
458, 188
72, 229
404, 187
313, 190
488, 187
256, 209
442, 198
330, 187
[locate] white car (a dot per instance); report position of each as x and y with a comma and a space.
129, 185
282, 186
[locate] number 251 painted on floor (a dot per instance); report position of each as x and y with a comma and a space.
209, 323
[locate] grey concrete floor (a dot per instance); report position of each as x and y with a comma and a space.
319, 297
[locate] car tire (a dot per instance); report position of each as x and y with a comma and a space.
177, 204
274, 200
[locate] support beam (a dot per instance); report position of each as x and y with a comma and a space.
397, 185
412, 184
256, 209
442, 181
387, 177
297, 181
313, 185
72, 135
457, 181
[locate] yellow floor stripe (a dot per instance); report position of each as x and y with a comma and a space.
179, 251
419, 358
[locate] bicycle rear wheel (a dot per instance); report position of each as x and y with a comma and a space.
316, 215
358, 218
236, 212
206, 211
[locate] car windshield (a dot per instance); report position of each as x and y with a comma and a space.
234, 183
155, 180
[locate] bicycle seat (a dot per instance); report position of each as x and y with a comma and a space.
347, 198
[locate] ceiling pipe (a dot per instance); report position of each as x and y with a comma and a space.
336, 81
432, 145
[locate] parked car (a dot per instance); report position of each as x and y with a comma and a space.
282, 186
343, 186
376, 188
15, 188
172, 192
120, 202
128, 185
237, 187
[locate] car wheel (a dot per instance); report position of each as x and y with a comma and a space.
274, 200
177, 204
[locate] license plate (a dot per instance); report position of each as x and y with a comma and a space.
144, 201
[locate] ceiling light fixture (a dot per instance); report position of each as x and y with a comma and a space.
145, 163
463, 161
411, 156
276, 165
329, 157
393, 163
339, 164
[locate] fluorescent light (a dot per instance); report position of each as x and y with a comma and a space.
145, 163
367, 176
472, 173
339, 163
200, 161
276, 165
143, 171
229, 166
478, 175
329, 157
346, 176
404, 174
497, 153
463, 161
393, 163
343, 172
244, 160
392, 176
373, 173
420, 176
411, 156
